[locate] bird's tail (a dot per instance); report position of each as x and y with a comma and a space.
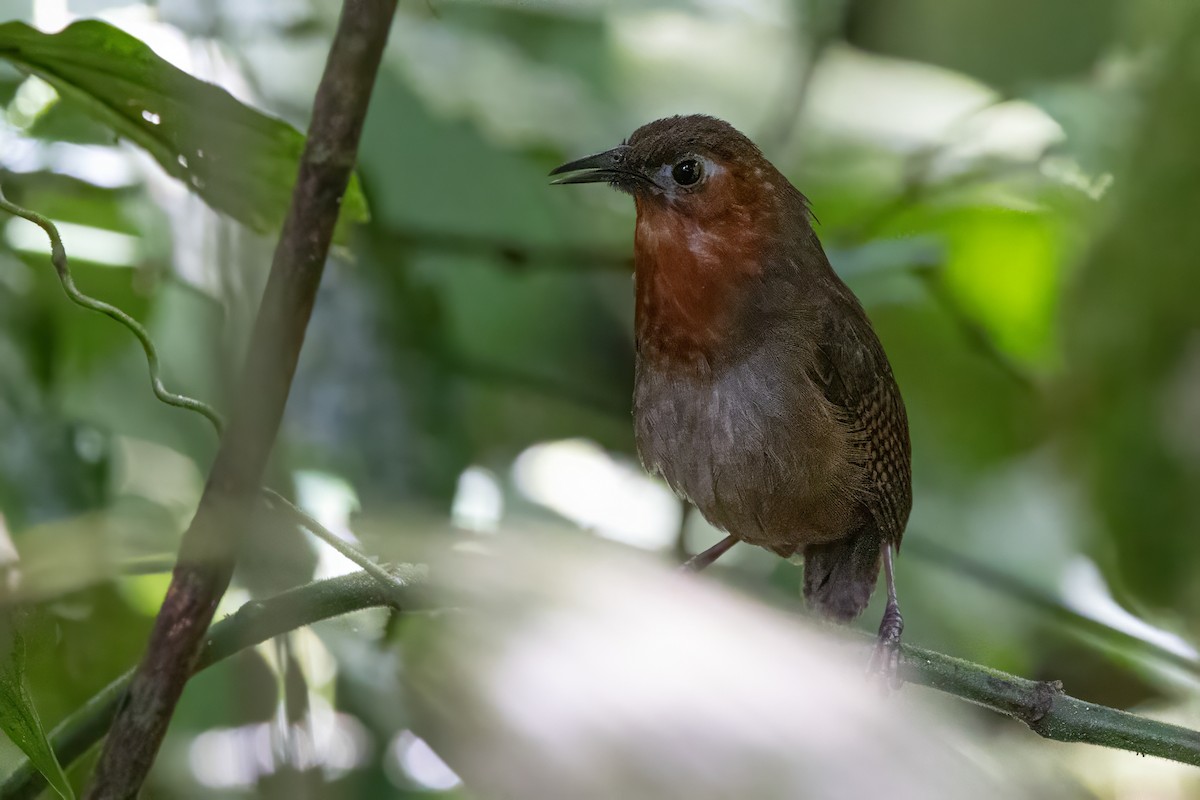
840, 576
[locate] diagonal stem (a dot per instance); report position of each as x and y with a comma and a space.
206, 554
305, 520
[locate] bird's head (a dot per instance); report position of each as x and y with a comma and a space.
718, 227
696, 165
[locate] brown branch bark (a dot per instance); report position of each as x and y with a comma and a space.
205, 560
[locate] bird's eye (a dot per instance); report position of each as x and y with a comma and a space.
686, 172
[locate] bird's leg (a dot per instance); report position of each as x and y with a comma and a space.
702, 560
886, 658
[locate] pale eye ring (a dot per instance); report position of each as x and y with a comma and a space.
687, 172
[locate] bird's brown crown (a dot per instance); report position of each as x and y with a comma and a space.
711, 214
669, 140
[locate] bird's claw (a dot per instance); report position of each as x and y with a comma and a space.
885, 659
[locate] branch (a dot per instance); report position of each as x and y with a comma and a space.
1047, 711
385, 579
1040, 705
206, 554
252, 624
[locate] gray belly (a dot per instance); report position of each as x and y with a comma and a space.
757, 448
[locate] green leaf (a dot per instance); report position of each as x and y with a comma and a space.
19, 718
1003, 268
241, 161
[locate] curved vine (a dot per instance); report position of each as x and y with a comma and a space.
58, 258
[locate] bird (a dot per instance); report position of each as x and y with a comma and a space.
762, 393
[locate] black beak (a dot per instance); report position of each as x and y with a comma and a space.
603, 167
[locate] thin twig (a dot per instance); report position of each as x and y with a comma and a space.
305, 520
206, 553
252, 624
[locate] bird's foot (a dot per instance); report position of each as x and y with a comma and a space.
702, 560
885, 660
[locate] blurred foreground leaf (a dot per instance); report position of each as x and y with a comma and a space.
19, 718
242, 162
582, 670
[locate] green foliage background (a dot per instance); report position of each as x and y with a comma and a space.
1030, 262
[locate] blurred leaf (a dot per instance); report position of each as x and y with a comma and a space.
83, 340
532, 694
19, 718
405, 378
885, 255
69, 122
242, 690
1003, 270
77, 643
63, 198
9, 83
70, 553
241, 161
1131, 336
1055, 38
50, 466
966, 412
1096, 115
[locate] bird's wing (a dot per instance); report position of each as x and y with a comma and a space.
854, 373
